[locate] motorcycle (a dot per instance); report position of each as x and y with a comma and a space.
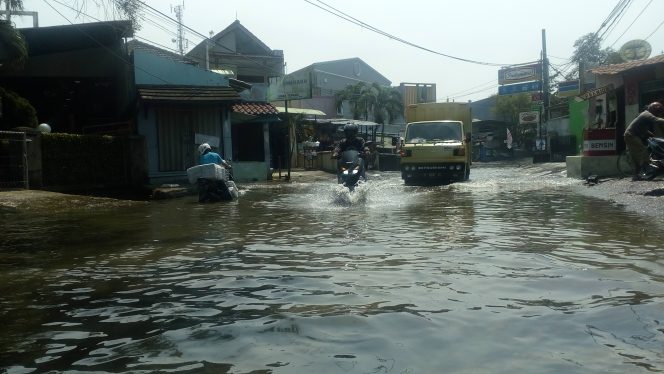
214, 183
350, 169
655, 164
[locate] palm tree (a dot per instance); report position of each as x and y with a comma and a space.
13, 51
371, 101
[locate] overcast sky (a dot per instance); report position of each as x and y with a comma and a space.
489, 32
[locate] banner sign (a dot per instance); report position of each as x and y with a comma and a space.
294, 86
599, 145
596, 92
526, 118
568, 88
520, 88
516, 74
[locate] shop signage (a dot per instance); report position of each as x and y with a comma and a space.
596, 92
599, 145
294, 86
520, 88
523, 73
568, 88
526, 118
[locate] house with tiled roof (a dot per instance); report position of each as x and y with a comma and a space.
182, 105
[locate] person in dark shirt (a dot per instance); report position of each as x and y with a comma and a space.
351, 141
638, 131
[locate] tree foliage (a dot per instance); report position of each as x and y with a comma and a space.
16, 111
589, 53
13, 50
371, 100
127, 9
508, 108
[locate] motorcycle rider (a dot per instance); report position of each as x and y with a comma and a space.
209, 157
638, 131
352, 141
214, 190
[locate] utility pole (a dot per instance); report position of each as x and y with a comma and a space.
544, 116
545, 77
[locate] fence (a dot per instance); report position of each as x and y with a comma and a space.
13, 160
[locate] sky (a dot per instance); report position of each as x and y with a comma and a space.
458, 45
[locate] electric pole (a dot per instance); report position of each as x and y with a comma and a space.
545, 77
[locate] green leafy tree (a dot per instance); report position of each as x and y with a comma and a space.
508, 108
588, 53
13, 51
16, 111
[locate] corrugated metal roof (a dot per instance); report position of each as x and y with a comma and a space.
621, 68
314, 112
139, 45
255, 109
187, 93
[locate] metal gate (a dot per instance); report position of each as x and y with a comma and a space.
13, 160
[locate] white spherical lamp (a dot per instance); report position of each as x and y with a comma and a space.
44, 128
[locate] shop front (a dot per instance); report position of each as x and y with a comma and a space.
622, 91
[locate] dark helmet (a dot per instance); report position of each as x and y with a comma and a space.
350, 130
656, 108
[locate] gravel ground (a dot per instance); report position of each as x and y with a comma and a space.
645, 197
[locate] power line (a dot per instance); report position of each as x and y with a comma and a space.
654, 31
618, 16
631, 24
330, 9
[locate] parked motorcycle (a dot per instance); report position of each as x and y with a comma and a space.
350, 169
655, 165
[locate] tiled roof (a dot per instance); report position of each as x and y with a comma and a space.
621, 68
255, 109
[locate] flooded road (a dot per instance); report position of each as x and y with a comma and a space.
508, 272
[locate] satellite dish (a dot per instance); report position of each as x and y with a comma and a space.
636, 49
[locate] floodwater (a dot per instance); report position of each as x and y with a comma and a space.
509, 272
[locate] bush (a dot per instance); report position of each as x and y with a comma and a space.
16, 111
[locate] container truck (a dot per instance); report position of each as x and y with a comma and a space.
436, 146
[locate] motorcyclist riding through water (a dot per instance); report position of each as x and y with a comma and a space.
352, 142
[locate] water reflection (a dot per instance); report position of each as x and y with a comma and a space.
505, 272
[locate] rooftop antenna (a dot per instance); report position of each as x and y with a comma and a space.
179, 12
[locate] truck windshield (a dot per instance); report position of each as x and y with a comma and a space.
433, 131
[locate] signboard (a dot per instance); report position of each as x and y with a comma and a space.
523, 73
294, 86
526, 118
599, 145
568, 88
596, 92
520, 88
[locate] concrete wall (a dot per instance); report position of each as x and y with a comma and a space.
581, 167
250, 171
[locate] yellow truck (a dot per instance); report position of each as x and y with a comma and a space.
436, 146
